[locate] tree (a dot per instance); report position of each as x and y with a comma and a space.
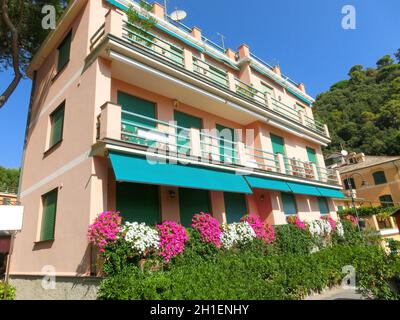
384, 61
363, 112
9, 179
397, 55
21, 34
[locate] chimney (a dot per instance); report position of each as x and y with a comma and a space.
301, 87
158, 10
244, 51
277, 70
196, 32
231, 54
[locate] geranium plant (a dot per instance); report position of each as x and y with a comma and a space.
208, 228
172, 239
105, 229
262, 231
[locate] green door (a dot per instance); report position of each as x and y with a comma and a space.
191, 202
138, 202
185, 122
227, 145
134, 125
278, 146
311, 154
235, 206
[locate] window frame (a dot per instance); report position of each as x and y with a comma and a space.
380, 174
52, 115
352, 182
43, 215
62, 66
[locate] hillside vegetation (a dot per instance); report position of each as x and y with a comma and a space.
363, 112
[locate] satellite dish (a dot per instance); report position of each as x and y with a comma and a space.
178, 15
344, 153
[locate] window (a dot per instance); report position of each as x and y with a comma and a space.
227, 144
349, 182
289, 203
267, 89
379, 177
235, 206
386, 200
64, 51
57, 125
323, 205
49, 201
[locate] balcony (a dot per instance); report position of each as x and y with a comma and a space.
153, 136
198, 68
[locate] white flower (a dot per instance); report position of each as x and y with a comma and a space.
141, 237
236, 233
340, 229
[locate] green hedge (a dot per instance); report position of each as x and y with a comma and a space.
10, 291
283, 270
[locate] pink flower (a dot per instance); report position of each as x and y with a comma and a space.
208, 228
104, 229
263, 232
300, 224
172, 239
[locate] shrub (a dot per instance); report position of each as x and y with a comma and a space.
10, 291
105, 229
262, 231
237, 234
291, 239
207, 228
143, 239
172, 239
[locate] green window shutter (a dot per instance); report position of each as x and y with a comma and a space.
176, 55
133, 123
191, 202
379, 177
289, 203
57, 125
64, 52
49, 215
386, 200
227, 145
218, 76
278, 146
138, 203
311, 154
185, 121
235, 206
323, 205
349, 182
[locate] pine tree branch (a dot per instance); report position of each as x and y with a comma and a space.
14, 54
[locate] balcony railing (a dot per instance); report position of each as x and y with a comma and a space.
168, 138
157, 45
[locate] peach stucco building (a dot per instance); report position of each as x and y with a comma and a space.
157, 124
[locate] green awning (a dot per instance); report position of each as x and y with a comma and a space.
305, 189
129, 168
331, 193
266, 183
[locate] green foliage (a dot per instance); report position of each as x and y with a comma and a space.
364, 112
117, 256
255, 277
290, 239
141, 23
10, 291
364, 211
27, 17
9, 179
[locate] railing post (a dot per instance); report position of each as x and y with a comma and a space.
231, 81
338, 178
326, 130
268, 101
315, 171
188, 59
110, 121
281, 163
113, 23
195, 148
301, 117
241, 149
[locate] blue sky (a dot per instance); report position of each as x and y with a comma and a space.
305, 37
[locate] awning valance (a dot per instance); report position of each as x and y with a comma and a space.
130, 168
266, 183
331, 193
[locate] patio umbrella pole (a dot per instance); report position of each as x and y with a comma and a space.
7, 276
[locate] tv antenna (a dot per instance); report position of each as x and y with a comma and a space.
222, 39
